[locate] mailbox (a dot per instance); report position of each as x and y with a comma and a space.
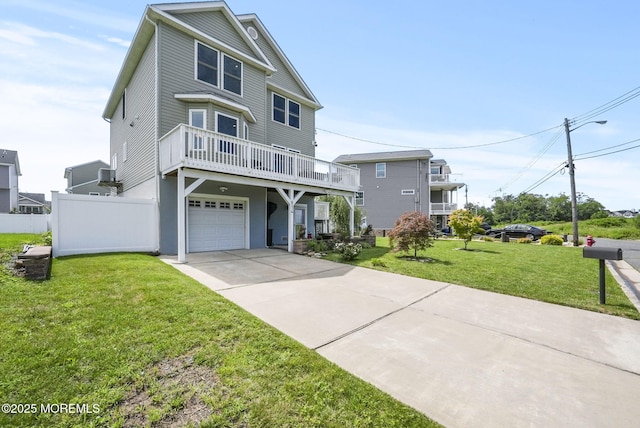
602, 253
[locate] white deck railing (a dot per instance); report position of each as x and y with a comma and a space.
445, 178
443, 208
211, 151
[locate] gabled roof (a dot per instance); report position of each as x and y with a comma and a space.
32, 198
253, 19
68, 169
168, 13
384, 156
10, 157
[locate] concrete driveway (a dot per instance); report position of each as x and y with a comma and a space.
464, 357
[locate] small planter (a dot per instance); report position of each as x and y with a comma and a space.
300, 246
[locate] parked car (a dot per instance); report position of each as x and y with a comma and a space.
519, 231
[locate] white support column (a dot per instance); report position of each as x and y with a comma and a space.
182, 238
351, 202
290, 197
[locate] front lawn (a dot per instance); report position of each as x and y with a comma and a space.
546, 273
126, 340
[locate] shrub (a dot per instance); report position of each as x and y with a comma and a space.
348, 250
413, 230
47, 238
317, 246
524, 241
551, 240
465, 225
378, 262
487, 239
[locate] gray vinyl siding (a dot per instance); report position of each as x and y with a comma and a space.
177, 65
293, 138
140, 165
281, 77
5, 200
383, 201
216, 25
5, 180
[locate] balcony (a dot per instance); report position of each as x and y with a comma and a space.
445, 181
442, 208
186, 146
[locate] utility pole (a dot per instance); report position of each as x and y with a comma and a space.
572, 179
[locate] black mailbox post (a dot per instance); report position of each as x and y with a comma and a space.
602, 254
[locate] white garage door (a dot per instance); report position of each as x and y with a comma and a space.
216, 224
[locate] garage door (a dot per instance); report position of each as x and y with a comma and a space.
216, 224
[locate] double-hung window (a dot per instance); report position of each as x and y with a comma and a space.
360, 199
381, 170
286, 111
213, 68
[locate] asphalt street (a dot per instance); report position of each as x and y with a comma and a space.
630, 249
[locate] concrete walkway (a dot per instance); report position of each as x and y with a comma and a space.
464, 357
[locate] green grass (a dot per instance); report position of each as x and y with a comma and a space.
139, 340
541, 272
612, 228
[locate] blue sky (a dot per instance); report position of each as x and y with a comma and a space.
445, 76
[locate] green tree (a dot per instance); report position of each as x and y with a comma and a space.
587, 207
465, 225
413, 230
559, 208
339, 212
531, 207
482, 211
504, 209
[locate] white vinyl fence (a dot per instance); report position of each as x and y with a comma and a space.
24, 223
83, 224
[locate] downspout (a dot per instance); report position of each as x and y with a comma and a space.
156, 148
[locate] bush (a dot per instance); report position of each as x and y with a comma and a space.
378, 262
412, 231
348, 251
47, 238
551, 240
524, 241
487, 239
608, 222
317, 246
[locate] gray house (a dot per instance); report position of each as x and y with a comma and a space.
393, 183
209, 117
83, 179
9, 173
33, 203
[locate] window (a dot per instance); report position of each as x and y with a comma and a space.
209, 204
279, 108
232, 75
294, 114
286, 111
198, 119
226, 125
360, 199
381, 170
207, 64
238, 206
225, 205
193, 203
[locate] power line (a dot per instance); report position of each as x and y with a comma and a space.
611, 153
441, 148
546, 178
607, 148
616, 102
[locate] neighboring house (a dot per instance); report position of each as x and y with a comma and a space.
83, 179
33, 203
624, 213
393, 183
9, 173
209, 117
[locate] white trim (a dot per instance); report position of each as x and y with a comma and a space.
214, 99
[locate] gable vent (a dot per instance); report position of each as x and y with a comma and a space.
253, 33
